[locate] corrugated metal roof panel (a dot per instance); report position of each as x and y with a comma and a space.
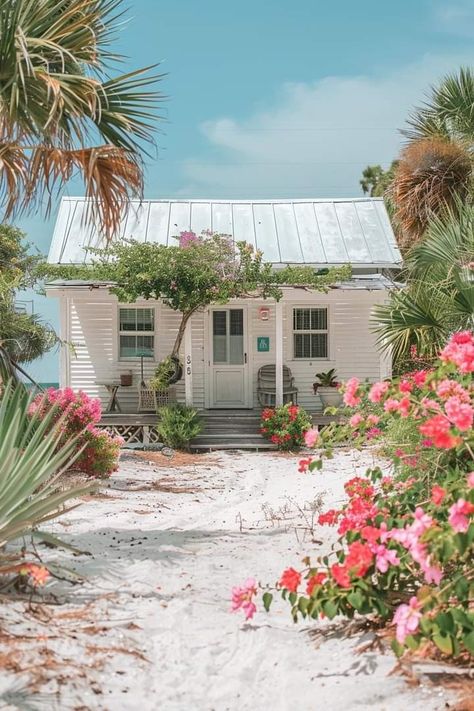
315, 232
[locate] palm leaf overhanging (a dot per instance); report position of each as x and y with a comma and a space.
56, 99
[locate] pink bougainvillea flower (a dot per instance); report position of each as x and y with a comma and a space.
460, 351
407, 618
303, 464
377, 391
373, 419
315, 581
437, 494
38, 574
438, 429
470, 480
422, 522
341, 575
405, 386
447, 388
460, 413
359, 558
458, 515
242, 598
329, 518
351, 397
384, 558
373, 432
290, 579
311, 437
433, 573
356, 420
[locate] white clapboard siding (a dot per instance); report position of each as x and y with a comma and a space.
90, 324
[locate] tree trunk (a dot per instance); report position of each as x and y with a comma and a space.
179, 337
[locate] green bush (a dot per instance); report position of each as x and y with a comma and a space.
178, 425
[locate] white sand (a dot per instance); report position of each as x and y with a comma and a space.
150, 627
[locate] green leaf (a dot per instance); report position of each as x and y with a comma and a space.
292, 597
445, 622
468, 641
444, 643
330, 609
356, 599
303, 603
267, 600
398, 648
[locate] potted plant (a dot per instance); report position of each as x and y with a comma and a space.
326, 386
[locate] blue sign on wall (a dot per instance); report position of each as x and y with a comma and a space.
263, 344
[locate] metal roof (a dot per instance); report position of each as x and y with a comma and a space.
314, 232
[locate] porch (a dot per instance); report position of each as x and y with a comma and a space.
223, 429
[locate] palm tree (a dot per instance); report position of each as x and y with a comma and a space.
57, 100
436, 169
439, 296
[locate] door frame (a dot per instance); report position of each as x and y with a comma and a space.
248, 366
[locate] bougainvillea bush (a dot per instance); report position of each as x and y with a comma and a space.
404, 554
285, 425
79, 415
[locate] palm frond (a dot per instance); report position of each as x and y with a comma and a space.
30, 463
431, 176
448, 111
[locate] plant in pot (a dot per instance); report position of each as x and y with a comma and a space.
327, 387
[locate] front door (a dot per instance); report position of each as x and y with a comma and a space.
229, 379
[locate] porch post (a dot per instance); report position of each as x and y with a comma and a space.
279, 353
188, 364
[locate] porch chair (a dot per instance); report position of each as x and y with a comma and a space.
266, 386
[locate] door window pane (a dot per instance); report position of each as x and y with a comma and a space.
219, 336
228, 336
236, 345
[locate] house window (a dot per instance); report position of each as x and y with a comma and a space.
310, 333
136, 333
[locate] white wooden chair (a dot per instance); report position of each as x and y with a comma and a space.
266, 386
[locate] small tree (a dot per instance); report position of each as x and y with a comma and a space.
22, 335
200, 270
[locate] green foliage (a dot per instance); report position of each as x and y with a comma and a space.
23, 336
376, 180
439, 295
327, 379
285, 425
162, 374
448, 110
31, 462
178, 425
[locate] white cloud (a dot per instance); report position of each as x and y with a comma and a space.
312, 139
456, 17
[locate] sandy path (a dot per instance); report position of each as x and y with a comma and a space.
157, 633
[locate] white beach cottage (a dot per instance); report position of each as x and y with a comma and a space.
225, 346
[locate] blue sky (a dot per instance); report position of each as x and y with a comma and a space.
278, 98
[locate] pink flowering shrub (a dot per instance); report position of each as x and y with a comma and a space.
79, 414
286, 426
405, 540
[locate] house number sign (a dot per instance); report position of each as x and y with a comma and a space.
263, 344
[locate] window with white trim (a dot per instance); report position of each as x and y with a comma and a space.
310, 333
136, 332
